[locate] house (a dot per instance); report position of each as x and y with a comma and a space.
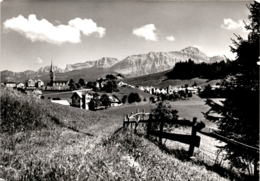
39, 83
62, 102
193, 90
81, 99
20, 85
141, 88
214, 87
10, 85
114, 101
121, 84
59, 85
163, 91
30, 83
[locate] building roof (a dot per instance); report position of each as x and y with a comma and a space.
77, 93
82, 92
114, 99
10, 82
217, 101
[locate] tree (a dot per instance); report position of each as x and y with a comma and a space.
110, 86
72, 84
82, 82
105, 101
152, 100
90, 84
240, 120
94, 102
163, 112
134, 97
111, 77
207, 91
124, 99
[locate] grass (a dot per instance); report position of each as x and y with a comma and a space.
74, 144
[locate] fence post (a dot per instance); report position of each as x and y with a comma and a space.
124, 120
193, 136
256, 173
127, 117
161, 132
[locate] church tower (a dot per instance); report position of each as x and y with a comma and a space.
52, 75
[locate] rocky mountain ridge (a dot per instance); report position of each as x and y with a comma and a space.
131, 66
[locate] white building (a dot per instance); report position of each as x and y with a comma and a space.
20, 85
81, 99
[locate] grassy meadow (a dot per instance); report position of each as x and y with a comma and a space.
40, 140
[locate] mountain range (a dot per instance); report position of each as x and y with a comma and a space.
131, 66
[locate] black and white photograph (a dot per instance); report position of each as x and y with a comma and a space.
163, 90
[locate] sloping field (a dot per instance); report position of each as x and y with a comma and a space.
161, 80
64, 143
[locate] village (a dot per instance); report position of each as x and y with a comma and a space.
102, 93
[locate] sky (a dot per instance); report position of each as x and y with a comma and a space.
34, 32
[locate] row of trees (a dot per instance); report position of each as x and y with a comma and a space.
76, 85
105, 102
108, 84
190, 69
131, 98
100, 101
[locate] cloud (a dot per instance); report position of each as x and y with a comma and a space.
39, 60
43, 30
231, 24
87, 26
147, 32
170, 38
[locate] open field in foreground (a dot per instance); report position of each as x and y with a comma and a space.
64, 143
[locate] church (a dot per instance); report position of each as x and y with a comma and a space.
56, 84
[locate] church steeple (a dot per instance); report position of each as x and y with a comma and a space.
51, 70
52, 75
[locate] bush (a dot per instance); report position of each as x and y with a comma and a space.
152, 100
134, 97
163, 112
105, 101
124, 99
110, 86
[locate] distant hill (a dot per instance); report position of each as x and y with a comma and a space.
162, 81
131, 66
88, 74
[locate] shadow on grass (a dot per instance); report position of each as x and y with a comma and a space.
183, 155
61, 124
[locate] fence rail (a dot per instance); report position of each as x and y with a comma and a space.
193, 140
134, 119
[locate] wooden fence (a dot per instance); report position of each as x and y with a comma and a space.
135, 119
